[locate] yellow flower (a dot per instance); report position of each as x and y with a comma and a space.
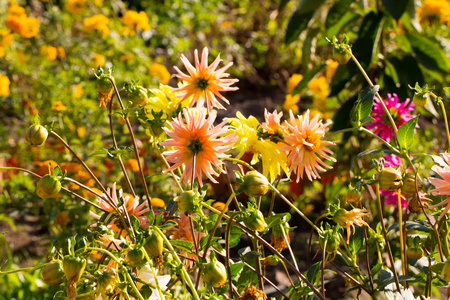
126, 57
50, 52
319, 87
58, 106
98, 22
161, 71
157, 202
81, 131
78, 91
135, 20
293, 82
273, 158
164, 100
99, 60
4, 86
16, 10
23, 25
132, 164
5, 38
61, 52
76, 6
290, 103
431, 10
2, 52
330, 69
347, 219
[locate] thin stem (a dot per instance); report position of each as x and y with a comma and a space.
258, 265
193, 172
381, 140
266, 279
227, 257
31, 269
444, 113
391, 258
289, 246
339, 131
322, 267
168, 167
400, 229
136, 152
351, 278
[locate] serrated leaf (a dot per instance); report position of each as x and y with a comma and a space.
428, 53
307, 78
395, 7
405, 134
363, 106
356, 241
296, 25
185, 245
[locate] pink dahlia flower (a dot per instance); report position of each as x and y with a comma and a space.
442, 186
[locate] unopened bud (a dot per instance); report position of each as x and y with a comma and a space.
390, 179
154, 244
255, 184
254, 220
186, 203
52, 274
409, 184
215, 274
73, 267
36, 135
353, 196
48, 186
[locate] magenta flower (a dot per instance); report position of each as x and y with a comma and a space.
399, 112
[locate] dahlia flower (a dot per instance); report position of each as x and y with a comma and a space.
442, 186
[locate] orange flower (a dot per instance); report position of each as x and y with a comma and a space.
306, 147
58, 106
4, 86
347, 219
204, 82
197, 139
220, 206
161, 71
156, 202
132, 164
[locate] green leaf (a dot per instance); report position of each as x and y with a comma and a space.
405, 134
428, 53
363, 106
305, 6
356, 241
367, 42
282, 4
112, 152
376, 151
307, 78
412, 226
313, 273
296, 25
235, 269
395, 7
336, 12
185, 245
375, 269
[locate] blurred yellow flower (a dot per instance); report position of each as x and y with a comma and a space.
160, 71
157, 202
98, 22
330, 69
16, 10
4, 86
434, 10
58, 106
61, 218
50, 52
81, 131
319, 87
78, 91
2, 52
132, 164
134, 20
126, 57
23, 25
76, 6
6, 38
293, 82
61, 52
99, 60
290, 103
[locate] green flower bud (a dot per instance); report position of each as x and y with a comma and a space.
409, 184
105, 280
36, 135
390, 179
154, 244
52, 274
414, 253
48, 186
255, 184
135, 256
138, 95
214, 273
353, 196
186, 203
104, 85
341, 56
331, 237
271, 260
73, 267
254, 220
420, 99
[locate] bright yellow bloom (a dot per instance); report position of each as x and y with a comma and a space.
16, 10
132, 164
61, 52
76, 6
81, 131
319, 87
347, 219
78, 91
204, 82
161, 71
220, 206
99, 60
330, 69
2, 52
431, 10
134, 21
4, 86
164, 100
58, 106
306, 147
126, 57
50, 52
6, 38
273, 158
198, 140
157, 202
23, 25
98, 22
293, 82
290, 103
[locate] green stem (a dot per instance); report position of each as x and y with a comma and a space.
400, 229
339, 131
31, 269
389, 146
168, 167
184, 273
444, 113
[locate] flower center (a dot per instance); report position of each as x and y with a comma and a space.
312, 142
195, 146
202, 83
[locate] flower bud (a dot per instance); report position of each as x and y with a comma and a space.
138, 95
214, 273
409, 184
36, 135
104, 85
48, 186
105, 280
390, 179
135, 256
414, 253
186, 203
271, 260
154, 244
255, 184
52, 274
341, 56
331, 237
73, 267
446, 270
353, 196
420, 99
254, 220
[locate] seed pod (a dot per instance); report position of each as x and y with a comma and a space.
420, 99
186, 203
353, 196
255, 184
73, 267
48, 186
214, 274
135, 256
341, 56
390, 179
409, 184
154, 244
36, 135
52, 274
254, 220
414, 253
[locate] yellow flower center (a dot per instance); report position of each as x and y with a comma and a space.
202, 83
312, 142
195, 146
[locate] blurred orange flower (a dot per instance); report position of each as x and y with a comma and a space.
58, 106
4, 86
161, 71
98, 22
76, 6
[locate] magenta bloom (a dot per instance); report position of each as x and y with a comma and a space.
398, 111
391, 198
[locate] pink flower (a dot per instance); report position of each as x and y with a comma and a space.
204, 82
197, 139
442, 186
306, 147
398, 111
